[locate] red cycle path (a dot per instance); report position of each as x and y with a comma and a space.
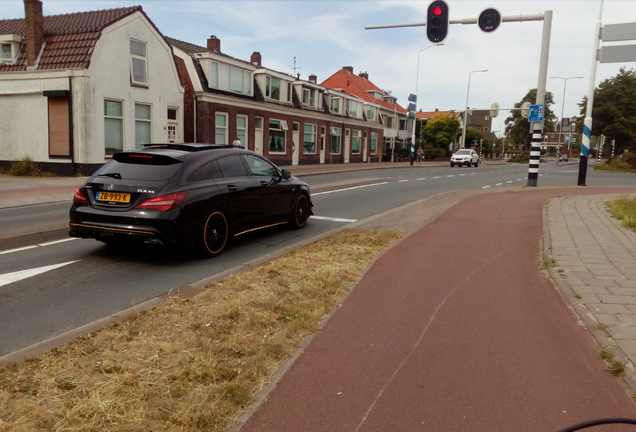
456, 328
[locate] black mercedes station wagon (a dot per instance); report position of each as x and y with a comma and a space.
192, 195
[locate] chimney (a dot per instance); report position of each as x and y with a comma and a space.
34, 26
313, 78
255, 59
214, 43
348, 69
364, 75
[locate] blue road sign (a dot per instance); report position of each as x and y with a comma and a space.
536, 113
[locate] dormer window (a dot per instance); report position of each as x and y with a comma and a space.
309, 97
5, 51
230, 78
335, 105
354, 108
272, 87
9, 47
138, 68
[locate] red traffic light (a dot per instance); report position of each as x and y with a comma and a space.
437, 21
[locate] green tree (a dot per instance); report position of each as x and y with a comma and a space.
441, 130
474, 137
614, 110
518, 127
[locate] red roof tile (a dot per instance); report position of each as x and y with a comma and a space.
360, 87
70, 38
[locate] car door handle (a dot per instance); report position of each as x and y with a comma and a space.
232, 188
264, 183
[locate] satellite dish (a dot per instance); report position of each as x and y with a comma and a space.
494, 110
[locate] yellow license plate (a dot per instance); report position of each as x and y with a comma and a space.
113, 197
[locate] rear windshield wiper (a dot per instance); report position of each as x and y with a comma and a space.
113, 175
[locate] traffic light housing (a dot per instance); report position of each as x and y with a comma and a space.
437, 21
489, 20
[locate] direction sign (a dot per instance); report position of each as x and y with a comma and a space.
536, 113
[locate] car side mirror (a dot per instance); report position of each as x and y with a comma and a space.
286, 175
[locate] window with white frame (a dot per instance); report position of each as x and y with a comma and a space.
373, 144
289, 92
335, 105
142, 124
241, 129
276, 137
230, 78
402, 124
354, 108
372, 113
272, 87
113, 126
220, 129
309, 138
5, 51
335, 140
138, 67
356, 141
309, 97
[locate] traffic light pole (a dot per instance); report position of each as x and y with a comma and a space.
537, 129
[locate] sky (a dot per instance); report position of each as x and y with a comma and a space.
324, 36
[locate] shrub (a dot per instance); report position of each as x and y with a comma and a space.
520, 158
25, 167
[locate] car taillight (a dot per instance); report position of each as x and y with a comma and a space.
79, 198
164, 202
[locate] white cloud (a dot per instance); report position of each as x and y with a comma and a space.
324, 36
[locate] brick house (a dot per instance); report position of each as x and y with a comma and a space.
289, 120
75, 88
375, 102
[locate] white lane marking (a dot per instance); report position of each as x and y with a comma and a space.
462, 175
35, 246
485, 187
402, 181
452, 175
58, 241
424, 178
348, 189
436, 177
8, 278
325, 218
17, 249
498, 184
509, 181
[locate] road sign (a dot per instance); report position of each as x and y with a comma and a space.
411, 115
412, 97
411, 107
536, 113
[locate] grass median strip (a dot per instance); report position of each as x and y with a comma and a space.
194, 364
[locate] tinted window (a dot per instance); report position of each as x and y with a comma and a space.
142, 169
232, 166
207, 172
260, 167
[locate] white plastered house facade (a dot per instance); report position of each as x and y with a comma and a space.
72, 120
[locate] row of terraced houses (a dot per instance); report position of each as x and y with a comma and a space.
76, 88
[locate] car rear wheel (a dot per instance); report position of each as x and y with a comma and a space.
476, 164
300, 212
214, 234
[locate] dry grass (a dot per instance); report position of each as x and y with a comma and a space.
189, 365
624, 209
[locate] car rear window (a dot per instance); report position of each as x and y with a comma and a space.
141, 167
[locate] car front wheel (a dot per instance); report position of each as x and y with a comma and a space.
300, 212
452, 165
476, 164
214, 234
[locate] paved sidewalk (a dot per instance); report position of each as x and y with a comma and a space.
595, 267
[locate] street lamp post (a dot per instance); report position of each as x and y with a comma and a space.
466, 108
417, 77
565, 83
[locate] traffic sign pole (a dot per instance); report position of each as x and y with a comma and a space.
537, 133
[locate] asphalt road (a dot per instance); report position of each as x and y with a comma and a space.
93, 281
